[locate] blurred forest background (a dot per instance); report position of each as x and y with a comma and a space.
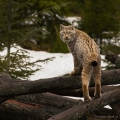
34, 25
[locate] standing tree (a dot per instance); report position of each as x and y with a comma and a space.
18, 24
50, 12
98, 19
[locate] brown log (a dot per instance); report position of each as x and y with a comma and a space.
78, 112
5, 75
102, 114
6, 81
73, 92
116, 105
116, 108
14, 110
113, 58
79, 92
53, 84
44, 98
48, 99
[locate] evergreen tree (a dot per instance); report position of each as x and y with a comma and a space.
49, 12
18, 24
98, 19
52, 13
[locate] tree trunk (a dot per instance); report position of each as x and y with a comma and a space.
79, 92
9, 36
113, 58
78, 112
54, 84
14, 110
48, 99
116, 105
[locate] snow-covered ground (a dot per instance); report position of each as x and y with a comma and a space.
61, 64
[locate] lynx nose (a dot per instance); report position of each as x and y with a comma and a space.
66, 37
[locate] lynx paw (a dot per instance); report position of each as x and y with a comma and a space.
97, 95
87, 98
75, 72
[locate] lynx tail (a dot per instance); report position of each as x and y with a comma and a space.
94, 63
93, 59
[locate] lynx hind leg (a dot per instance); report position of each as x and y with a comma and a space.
97, 79
86, 74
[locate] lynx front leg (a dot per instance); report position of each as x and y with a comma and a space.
77, 66
97, 79
86, 74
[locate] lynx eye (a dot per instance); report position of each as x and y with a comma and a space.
67, 32
71, 34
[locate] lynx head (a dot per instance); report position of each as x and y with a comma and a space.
67, 33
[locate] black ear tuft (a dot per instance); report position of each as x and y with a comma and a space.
61, 26
94, 63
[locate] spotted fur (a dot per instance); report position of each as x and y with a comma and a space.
86, 57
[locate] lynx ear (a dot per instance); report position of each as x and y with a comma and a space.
61, 26
71, 27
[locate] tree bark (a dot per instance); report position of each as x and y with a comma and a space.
9, 15
74, 92
14, 110
113, 58
79, 92
53, 84
48, 99
102, 114
23, 110
116, 105
78, 112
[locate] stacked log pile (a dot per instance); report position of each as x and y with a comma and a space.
44, 99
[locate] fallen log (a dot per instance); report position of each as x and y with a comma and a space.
79, 92
116, 108
53, 84
74, 92
102, 114
48, 99
34, 100
116, 105
78, 112
14, 110
113, 58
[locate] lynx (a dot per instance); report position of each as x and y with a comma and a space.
87, 60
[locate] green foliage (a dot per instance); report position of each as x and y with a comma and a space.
45, 13
100, 19
20, 65
18, 24
109, 66
98, 16
112, 48
51, 14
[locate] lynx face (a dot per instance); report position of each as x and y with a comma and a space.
67, 33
